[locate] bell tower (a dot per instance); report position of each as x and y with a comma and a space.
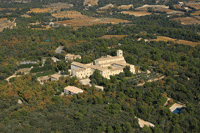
119, 53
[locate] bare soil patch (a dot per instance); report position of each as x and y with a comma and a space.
136, 13
187, 20
185, 42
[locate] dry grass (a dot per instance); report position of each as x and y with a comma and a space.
136, 13
39, 10
166, 39
196, 13
68, 14
89, 21
187, 20
113, 36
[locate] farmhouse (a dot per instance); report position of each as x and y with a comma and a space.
55, 77
72, 57
71, 90
109, 65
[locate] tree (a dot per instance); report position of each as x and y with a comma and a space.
110, 129
146, 129
96, 77
118, 128
127, 71
127, 128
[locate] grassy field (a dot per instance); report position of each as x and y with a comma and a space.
39, 10
68, 14
136, 13
166, 39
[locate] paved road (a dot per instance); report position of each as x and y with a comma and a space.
59, 49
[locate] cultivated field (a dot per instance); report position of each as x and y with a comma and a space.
8, 9
194, 5
39, 10
90, 2
145, 7
125, 6
187, 20
106, 7
136, 13
68, 14
58, 6
113, 36
196, 13
166, 39
89, 21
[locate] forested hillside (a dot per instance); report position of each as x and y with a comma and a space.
26, 105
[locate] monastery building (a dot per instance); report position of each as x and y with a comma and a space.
110, 65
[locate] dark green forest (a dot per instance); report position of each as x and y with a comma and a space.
117, 108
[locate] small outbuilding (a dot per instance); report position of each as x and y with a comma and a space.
71, 90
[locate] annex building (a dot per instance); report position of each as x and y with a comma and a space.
109, 65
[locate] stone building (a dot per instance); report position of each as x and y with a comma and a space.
71, 90
72, 57
109, 65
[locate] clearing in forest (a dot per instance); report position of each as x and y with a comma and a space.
187, 20
136, 13
111, 36
166, 39
68, 14
5, 23
39, 10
